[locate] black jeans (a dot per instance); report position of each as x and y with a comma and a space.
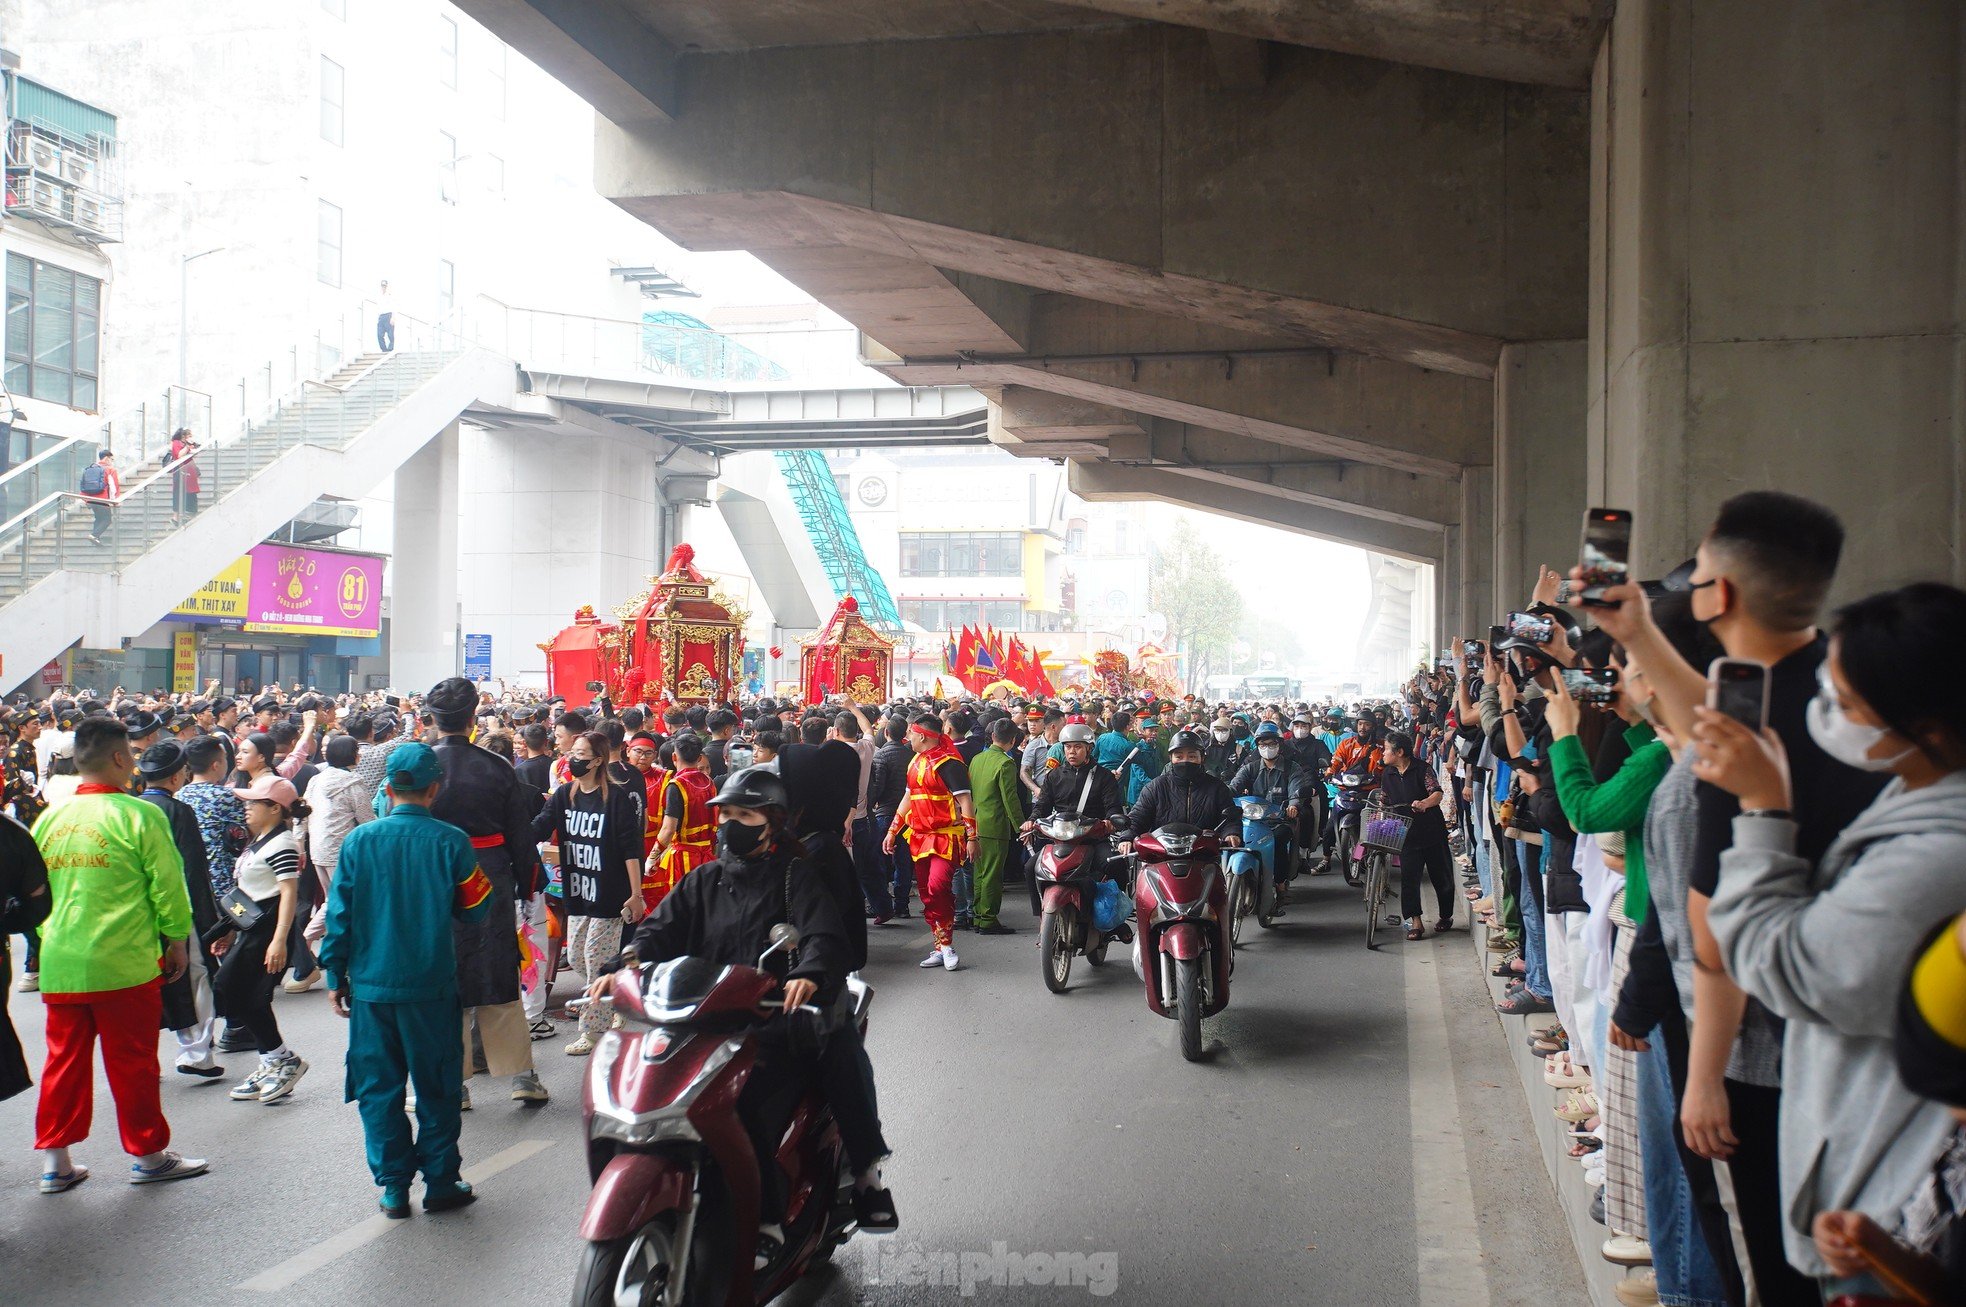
1699, 1172
1429, 857
786, 1067
242, 991
1756, 1112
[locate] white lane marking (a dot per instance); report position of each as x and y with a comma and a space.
311, 1259
1452, 1271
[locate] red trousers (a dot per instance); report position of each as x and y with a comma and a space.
934, 876
126, 1020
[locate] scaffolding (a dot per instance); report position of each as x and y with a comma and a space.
817, 497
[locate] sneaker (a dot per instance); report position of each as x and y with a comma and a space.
203, 1067
880, 920
281, 1079
247, 1090
463, 1099
1641, 1290
60, 1182
948, 959
873, 1208
395, 1202
1627, 1250
301, 986
30, 981
173, 1167
934, 959
527, 1089
580, 1047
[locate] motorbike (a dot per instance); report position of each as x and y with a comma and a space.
1348, 811
673, 1213
1180, 897
1067, 878
1252, 868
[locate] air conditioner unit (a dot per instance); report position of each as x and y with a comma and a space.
89, 212
43, 156
78, 168
47, 196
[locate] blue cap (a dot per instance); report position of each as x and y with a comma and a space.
414, 766
1268, 730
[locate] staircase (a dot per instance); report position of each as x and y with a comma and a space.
339, 436
817, 497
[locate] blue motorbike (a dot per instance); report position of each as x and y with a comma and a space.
1253, 867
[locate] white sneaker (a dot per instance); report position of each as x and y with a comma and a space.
60, 1182
247, 1090
173, 1167
281, 1078
948, 958
934, 959
1627, 1250
464, 1104
526, 1088
29, 982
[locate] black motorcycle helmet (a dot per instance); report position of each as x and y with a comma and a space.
1186, 739
753, 787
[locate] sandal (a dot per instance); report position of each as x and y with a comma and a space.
1415, 933
1580, 1106
1585, 1146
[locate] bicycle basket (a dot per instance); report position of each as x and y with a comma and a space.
1385, 830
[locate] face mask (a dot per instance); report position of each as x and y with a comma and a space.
1267, 750
579, 766
1187, 773
1300, 732
1221, 737
1847, 741
742, 841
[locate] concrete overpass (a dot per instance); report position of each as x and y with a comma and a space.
1420, 275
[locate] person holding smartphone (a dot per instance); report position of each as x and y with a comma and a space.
600, 858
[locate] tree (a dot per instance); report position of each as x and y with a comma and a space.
1189, 585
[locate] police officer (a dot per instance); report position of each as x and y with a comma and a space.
483, 796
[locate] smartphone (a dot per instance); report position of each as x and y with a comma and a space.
595, 686
1606, 554
1497, 634
1738, 687
1529, 627
1474, 651
1597, 685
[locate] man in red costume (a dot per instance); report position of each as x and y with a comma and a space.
641, 756
939, 822
687, 838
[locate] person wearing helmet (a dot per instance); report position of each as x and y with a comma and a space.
723, 912
1314, 759
1361, 753
1222, 757
1273, 776
1081, 787
1186, 793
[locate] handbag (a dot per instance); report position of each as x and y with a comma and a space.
241, 909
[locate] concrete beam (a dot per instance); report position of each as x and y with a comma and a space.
1401, 212
597, 48
1547, 41
1104, 481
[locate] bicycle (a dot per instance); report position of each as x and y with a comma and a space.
1382, 834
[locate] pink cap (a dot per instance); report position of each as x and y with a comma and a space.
276, 788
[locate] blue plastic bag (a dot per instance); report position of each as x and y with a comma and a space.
1108, 907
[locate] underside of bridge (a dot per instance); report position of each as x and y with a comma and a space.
1420, 275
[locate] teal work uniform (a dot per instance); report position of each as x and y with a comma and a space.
398, 884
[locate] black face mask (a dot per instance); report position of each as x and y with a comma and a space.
577, 767
741, 841
1186, 773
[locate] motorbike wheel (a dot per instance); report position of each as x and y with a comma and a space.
1187, 1007
1055, 951
1375, 893
1269, 906
1238, 908
1354, 873
1097, 956
629, 1271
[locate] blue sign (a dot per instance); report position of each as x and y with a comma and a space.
477, 657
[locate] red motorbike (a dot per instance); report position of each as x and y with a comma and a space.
673, 1215
1180, 899
1067, 878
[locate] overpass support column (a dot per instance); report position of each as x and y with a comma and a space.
1775, 273
1465, 577
1540, 401
423, 572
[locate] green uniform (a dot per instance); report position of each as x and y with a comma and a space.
995, 790
398, 884
117, 884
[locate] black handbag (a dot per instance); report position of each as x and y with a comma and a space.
241, 909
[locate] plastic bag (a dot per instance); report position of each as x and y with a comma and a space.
1108, 907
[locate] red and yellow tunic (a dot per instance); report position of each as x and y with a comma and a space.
696, 832
653, 781
929, 818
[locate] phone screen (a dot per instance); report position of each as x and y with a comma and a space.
1528, 626
1591, 685
1497, 634
1607, 550
1739, 689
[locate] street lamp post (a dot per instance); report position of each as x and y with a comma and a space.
184, 312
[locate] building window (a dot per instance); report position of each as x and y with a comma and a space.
495, 84
962, 553
447, 51
54, 337
954, 614
447, 167
332, 83
335, 8
446, 286
495, 174
327, 244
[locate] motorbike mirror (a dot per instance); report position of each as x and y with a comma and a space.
783, 939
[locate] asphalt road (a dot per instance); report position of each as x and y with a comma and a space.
1286, 1168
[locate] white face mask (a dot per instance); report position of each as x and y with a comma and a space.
1301, 732
1221, 735
1267, 750
1847, 741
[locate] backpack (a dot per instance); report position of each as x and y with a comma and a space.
94, 479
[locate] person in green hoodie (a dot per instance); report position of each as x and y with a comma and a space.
999, 812
392, 971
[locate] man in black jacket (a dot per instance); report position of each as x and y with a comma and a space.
1186, 793
188, 999
822, 778
1274, 777
887, 786
1080, 787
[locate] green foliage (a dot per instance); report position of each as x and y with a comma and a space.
1189, 584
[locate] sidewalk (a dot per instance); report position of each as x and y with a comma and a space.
1566, 1174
